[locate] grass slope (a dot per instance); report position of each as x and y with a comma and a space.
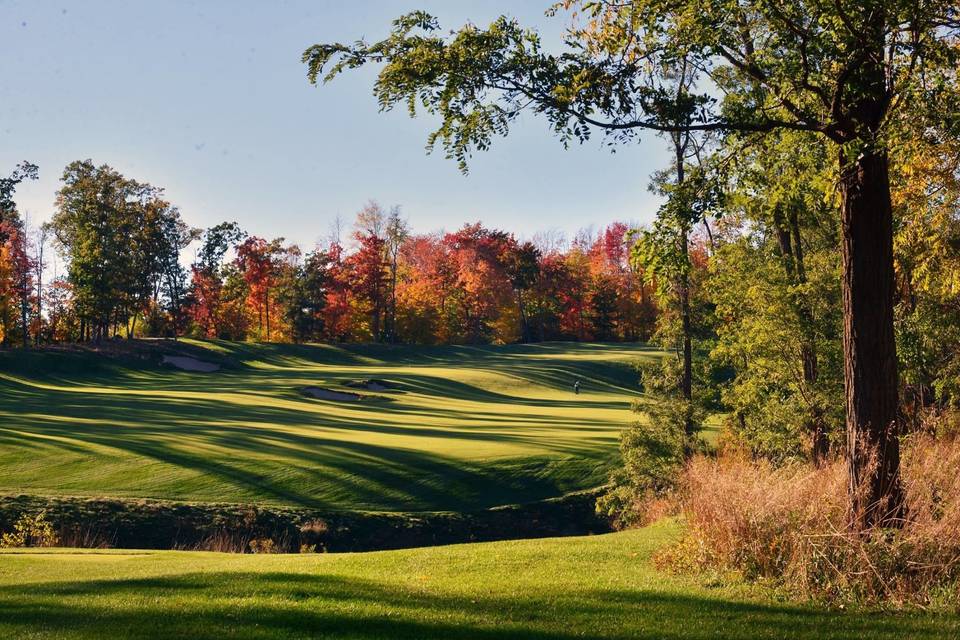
467, 428
597, 587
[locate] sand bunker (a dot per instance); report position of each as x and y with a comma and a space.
327, 394
371, 385
187, 363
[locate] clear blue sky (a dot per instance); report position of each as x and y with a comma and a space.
210, 101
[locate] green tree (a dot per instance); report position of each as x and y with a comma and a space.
777, 286
8, 208
123, 243
303, 292
848, 70
662, 253
396, 233
159, 281
208, 276
522, 264
603, 307
96, 216
927, 251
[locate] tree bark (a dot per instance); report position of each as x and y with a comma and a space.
870, 357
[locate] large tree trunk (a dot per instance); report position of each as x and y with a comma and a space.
869, 348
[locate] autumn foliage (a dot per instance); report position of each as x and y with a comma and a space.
474, 285
124, 273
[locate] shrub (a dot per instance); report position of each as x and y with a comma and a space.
653, 450
652, 455
315, 527
31, 531
263, 545
789, 524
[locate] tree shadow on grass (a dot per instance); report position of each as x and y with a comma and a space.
278, 604
555, 366
291, 466
251, 430
373, 354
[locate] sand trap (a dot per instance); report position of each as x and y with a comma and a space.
187, 363
326, 394
371, 385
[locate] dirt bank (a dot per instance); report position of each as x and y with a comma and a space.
148, 524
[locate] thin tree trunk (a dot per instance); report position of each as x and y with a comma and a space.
791, 252
820, 440
683, 291
393, 298
524, 332
686, 382
870, 358
42, 240
24, 309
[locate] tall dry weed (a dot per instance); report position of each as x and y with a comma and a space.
790, 524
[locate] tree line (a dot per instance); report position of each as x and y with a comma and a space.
122, 243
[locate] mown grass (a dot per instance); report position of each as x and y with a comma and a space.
595, 587
467, 428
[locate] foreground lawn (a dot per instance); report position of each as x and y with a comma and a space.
465, 428
599, 587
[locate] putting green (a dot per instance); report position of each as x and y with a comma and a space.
462, 428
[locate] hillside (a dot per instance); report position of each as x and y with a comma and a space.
440, 428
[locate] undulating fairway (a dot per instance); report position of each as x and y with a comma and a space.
599, 587
460, 428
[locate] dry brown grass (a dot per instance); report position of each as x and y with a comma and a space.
82, 537
222, 541
789, 524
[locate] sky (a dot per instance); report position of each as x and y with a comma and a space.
210, 101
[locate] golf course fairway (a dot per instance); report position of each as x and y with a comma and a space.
453, 428
594, 587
